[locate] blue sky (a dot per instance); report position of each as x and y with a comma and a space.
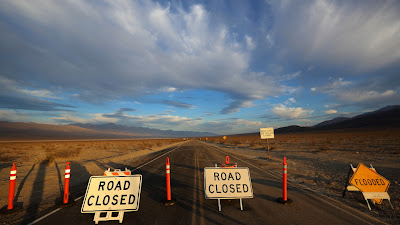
218, 66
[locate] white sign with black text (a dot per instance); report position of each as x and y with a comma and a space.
112, 193
267, 133
227, 183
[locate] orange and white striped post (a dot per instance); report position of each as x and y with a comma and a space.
168, 175
285, 200
11, 189
169, 200
284, 179
66, 183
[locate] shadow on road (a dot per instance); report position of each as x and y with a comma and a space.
37, 194
22, 184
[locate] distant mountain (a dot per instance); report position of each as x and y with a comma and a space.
143, 131
291, 129
37, 131
387, 117
25, 131
333, 121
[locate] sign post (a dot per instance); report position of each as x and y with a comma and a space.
118, 193
372, 185
267, 133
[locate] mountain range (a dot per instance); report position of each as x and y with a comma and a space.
37, 131
384, 118
140, 131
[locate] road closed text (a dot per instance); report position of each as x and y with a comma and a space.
115, 199
227, 183
112, 193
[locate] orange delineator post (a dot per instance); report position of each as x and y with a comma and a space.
227, 160
284, 179
66, 183
11, 189
167, 167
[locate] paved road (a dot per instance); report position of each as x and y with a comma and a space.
187, 180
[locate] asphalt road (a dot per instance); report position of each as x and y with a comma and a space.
191, 207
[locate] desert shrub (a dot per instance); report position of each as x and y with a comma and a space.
236, 142
5, 157
49, 159
324, 148
273, 146
313, 143
328, 141
52, 154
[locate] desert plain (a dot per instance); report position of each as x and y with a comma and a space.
318, 161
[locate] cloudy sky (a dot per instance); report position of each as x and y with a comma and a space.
218, 66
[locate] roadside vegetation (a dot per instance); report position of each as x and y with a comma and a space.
359, 141
48, 152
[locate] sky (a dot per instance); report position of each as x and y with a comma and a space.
216, 66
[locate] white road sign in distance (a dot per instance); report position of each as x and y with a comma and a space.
112, 193
227, 183
267, 133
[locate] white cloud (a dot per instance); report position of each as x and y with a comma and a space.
151, 46
39, 93
248, 123
13, 116
12, 87
331, 111
169, 89
362, 37
290, 112
250, 42
235, 126
290, 101
287, 77
93, 118
163, 121
333, 86
365, 95
270, 41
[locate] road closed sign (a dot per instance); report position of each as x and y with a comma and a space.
267, 133
112, 193
227, 183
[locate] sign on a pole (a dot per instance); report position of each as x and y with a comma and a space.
224, 137
267, 133
369, 181
227, 183
112, 193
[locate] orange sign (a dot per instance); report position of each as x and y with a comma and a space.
224, 137
369, 181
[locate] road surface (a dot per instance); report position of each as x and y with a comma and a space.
187, 179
